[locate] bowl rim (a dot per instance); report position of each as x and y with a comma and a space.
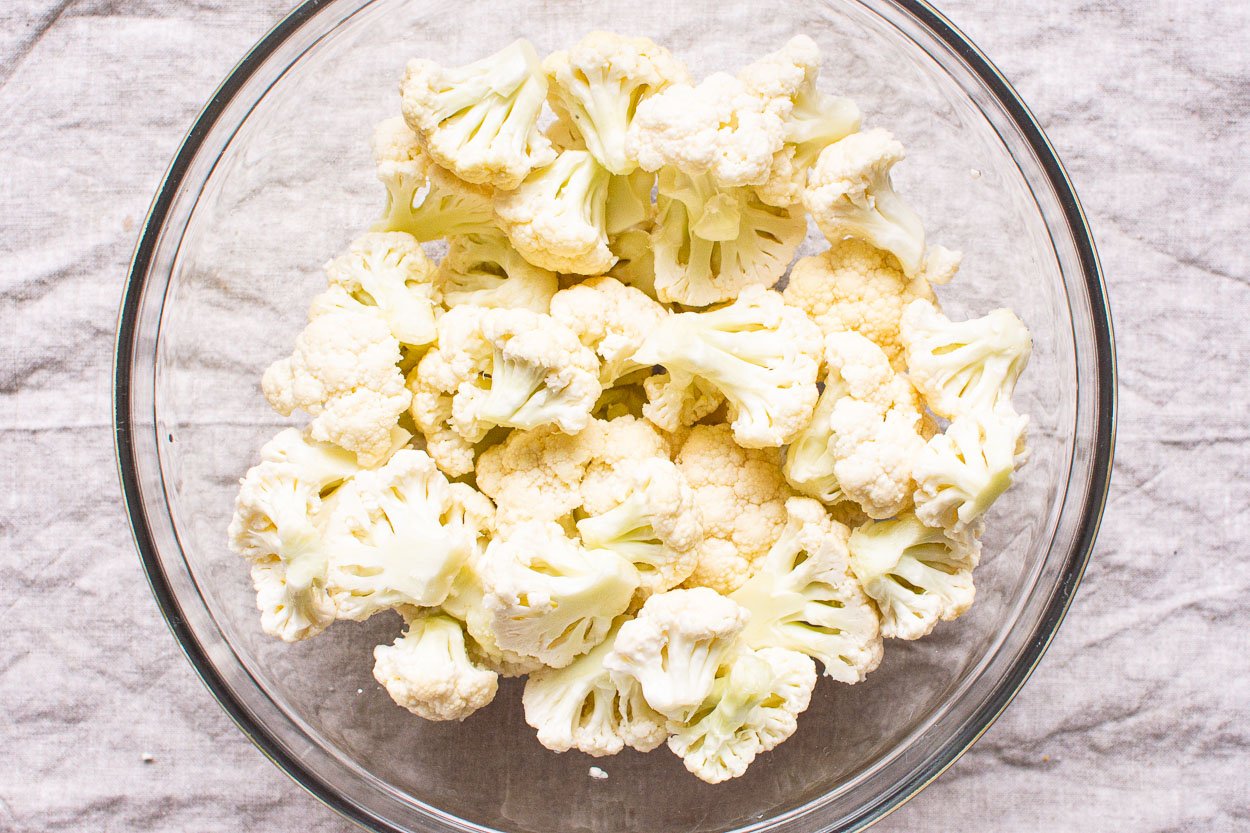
1101, 458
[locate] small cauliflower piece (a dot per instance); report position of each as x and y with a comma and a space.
762, 355
398, 537
849, 194
741, 496
916, 574
465, 604
805, 598
964, 367
428, 671
674, 647
611, 319
422, 199
645, 513
480, 120
597, 85
810, 461
754, 706
854, 286
711, 243
580, 706
549, 598
389, 272
345, 372
483, 270
557, 217
537, 475
720, 128
499, 367
815, 120
966, 468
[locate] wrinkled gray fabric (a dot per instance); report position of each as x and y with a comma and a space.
1135, 720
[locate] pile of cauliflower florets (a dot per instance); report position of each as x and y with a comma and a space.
593, 446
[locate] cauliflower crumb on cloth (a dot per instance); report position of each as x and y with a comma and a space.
561, 423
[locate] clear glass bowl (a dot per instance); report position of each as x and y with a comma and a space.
275, 177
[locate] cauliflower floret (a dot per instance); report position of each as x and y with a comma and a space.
499, 367
464, 603
397, 538
966, 468
866, 436
344, 371
815, 120
581, 707
480, 120
557, 217
805, 598
762, 355
711, 243
719, 127
428, 670
854, 286
753, 706
741, 496
610, 318
483, 270
549, 598
916, 574
537, 475
422, 199
964, 367
645, 513
674, 646
389, 272
849, 194
597, 87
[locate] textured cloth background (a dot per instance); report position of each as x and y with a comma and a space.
1136, 719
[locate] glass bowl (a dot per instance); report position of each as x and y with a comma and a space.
275, 177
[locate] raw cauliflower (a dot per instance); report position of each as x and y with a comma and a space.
741, 495
345, 372
483, 270
805, 598
855, 286
428, 670
480, 121
390, 273
610, 318
760, 354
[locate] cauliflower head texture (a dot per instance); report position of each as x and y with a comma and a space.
428, 670
611, 319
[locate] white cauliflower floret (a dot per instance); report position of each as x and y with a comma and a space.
872, 431
483, 270
964, 367
344, 371
762, 355
422, 199
849, 194
537, 475
398, 537
389, 272
719, 127
810, 462
711, 243
966, 468
741, 496
644, 513
557, 217
581, 707
428, 670
465, 604
854, 286
480, 120
499, 367
805, 598
611, 319
754, 705
598, 84
815, 120
916, 574
674, 647
549, 598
